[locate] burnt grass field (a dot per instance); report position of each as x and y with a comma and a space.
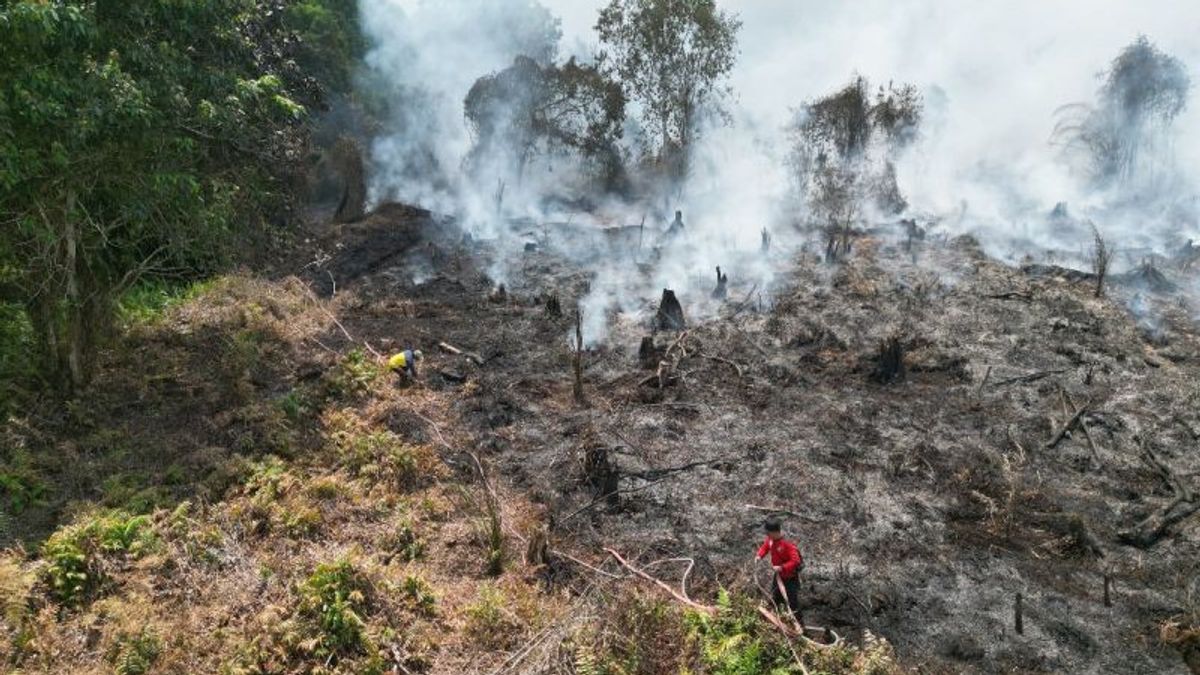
943, 433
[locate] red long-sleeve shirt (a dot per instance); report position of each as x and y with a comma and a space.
784, 555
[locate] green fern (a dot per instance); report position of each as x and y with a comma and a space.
136, 654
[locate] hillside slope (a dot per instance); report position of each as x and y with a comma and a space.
305, 513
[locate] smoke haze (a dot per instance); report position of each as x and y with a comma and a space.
992, 74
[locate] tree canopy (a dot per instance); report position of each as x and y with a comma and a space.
674, 57
136, 138
527, 109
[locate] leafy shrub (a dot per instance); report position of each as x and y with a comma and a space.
75, 554
383, 455
354, 375
16, 586
335, 598
418, 594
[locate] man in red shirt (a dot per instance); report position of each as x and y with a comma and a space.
786, 561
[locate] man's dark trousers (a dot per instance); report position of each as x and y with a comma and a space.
792, 587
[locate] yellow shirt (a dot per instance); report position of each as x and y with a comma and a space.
399, 361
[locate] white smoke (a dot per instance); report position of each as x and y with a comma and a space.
993, 75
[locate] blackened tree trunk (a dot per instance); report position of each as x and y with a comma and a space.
670, 313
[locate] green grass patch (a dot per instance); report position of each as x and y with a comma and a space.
146, 302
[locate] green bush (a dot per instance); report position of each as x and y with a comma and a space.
404, 541
75, 554
335, 598
149, 299
730, 643
354, 375
384, 456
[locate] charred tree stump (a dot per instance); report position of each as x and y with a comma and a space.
537, 550
601, 475
889, 365
1107, 590
499, 296
670, 313
554, 307
722, 289
1018, 615
649, 354
578, 361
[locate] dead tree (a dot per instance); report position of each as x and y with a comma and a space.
578, 361
1101, 257
670, 313
722, 289
889, 364
1155, 526
1018, 615
766, 241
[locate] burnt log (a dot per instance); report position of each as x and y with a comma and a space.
670, 313
722, 289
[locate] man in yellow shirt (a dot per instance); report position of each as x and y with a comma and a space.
405, 362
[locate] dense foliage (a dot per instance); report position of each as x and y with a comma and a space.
142, 140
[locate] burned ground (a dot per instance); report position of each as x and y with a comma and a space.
923, 505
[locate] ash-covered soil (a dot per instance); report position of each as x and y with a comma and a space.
925, 498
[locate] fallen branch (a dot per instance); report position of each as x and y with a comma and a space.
451, 349
1154, 527
659, 474
706, 609
1010, 295
784, 512
1032, 377
719, 359
1066, 428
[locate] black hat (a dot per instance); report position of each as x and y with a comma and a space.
772, 525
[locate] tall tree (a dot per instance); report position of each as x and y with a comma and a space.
674, 57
